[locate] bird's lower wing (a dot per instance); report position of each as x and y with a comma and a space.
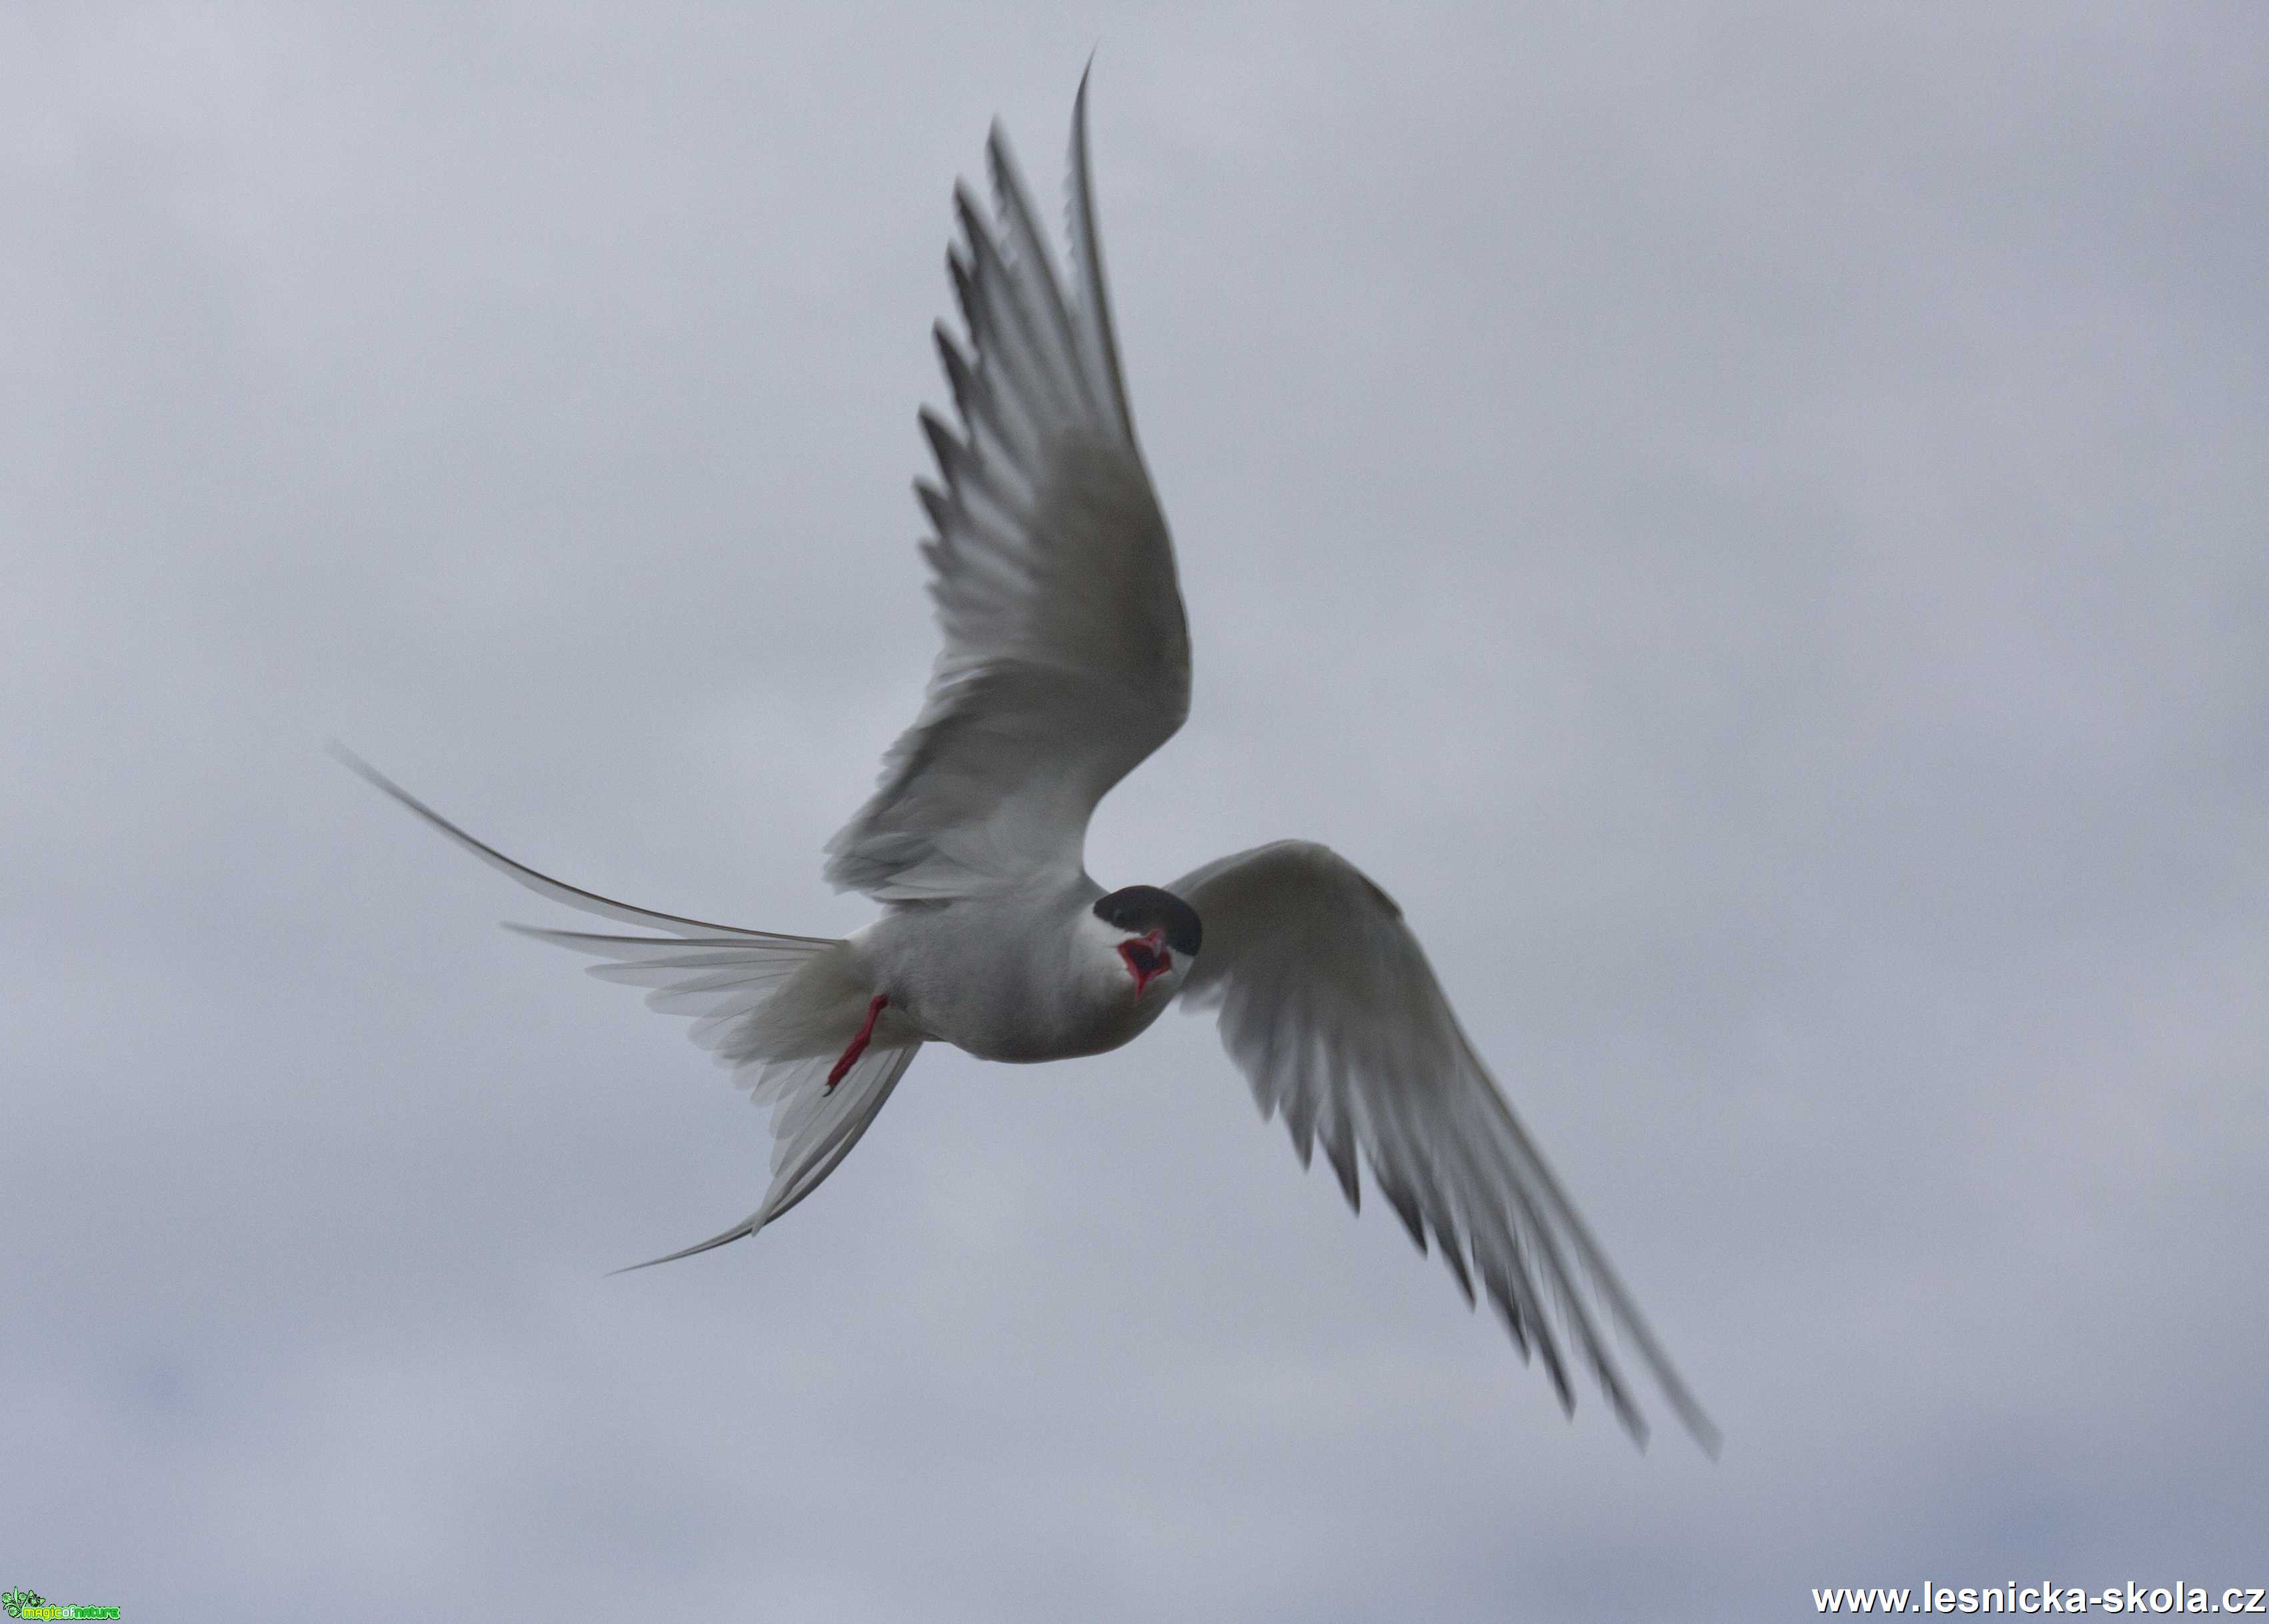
1328, 1004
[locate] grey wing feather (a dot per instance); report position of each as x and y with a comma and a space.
1066, 658
1328, 1004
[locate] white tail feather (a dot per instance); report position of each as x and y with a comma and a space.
776, 1008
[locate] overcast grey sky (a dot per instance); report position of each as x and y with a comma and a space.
1746, 520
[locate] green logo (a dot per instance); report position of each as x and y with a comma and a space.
32, 1605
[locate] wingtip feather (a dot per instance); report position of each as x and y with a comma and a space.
740, 1230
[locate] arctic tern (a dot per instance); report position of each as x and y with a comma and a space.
1066, 662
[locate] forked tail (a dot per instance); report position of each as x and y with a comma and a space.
769, 1006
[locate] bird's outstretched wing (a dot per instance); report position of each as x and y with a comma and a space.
1066, 657
1328, 1004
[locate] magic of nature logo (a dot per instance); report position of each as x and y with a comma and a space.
29, 1604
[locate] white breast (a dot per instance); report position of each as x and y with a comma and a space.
1014, 979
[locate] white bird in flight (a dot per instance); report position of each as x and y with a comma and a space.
1066, 662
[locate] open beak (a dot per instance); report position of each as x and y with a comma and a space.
1147, 959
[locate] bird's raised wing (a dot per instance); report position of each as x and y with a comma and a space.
1328, 1006
1066, 658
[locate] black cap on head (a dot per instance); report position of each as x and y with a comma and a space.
1147, 908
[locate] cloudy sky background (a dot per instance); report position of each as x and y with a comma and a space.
1747, 522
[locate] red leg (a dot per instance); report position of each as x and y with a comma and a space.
858, 1045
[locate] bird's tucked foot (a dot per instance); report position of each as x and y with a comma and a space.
875, 1008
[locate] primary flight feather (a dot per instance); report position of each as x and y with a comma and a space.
1066, 662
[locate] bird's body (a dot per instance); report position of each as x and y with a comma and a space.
1015, 978
1066, 663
